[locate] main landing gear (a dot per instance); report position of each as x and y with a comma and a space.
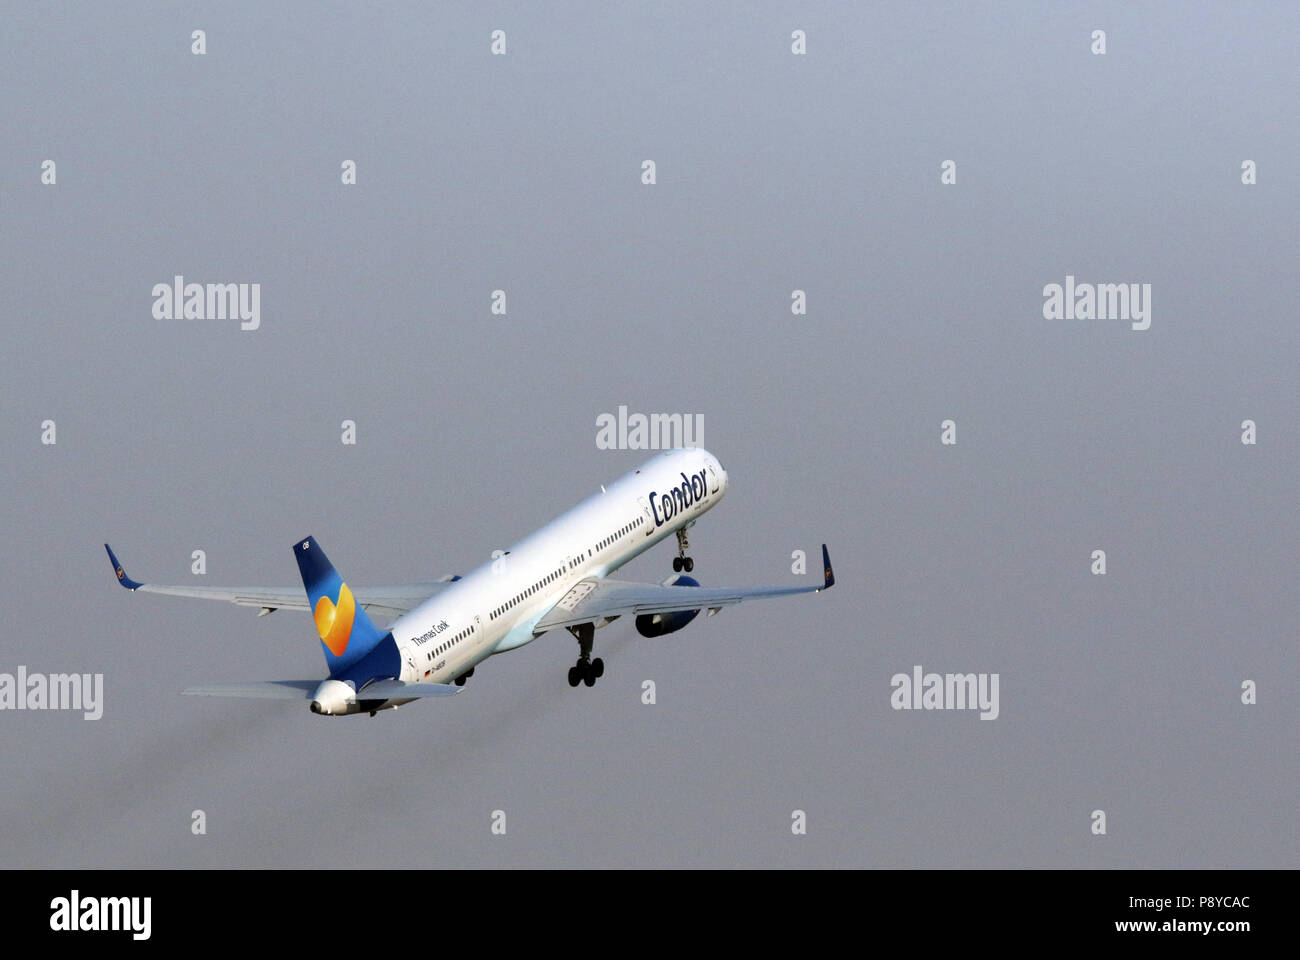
682, 561
460, 681
586, 670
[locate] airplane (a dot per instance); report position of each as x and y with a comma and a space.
556, 578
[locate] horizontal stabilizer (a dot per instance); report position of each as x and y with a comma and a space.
397, 690
263, 690
306, 690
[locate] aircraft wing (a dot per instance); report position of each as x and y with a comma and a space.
591, 600
261, 690
389, 601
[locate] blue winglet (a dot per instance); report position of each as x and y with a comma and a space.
122, 578
826, 565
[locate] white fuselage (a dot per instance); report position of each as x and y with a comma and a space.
496, 607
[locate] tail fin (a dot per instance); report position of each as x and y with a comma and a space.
346, 632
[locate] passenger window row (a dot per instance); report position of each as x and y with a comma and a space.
613, 537
554, 575
531, 591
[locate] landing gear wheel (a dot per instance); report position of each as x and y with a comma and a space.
575, 676
689, 564
589, 676
597, 668
460, 681
677, 564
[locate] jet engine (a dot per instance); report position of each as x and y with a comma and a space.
658, 624
334, 698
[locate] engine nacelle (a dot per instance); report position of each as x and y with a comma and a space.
658, 624
334, 698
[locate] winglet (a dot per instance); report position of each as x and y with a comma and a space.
826, 566
122, 578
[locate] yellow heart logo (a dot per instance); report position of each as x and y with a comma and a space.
334, 623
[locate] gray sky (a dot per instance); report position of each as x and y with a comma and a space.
775, 172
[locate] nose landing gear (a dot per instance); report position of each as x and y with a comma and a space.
682, 561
